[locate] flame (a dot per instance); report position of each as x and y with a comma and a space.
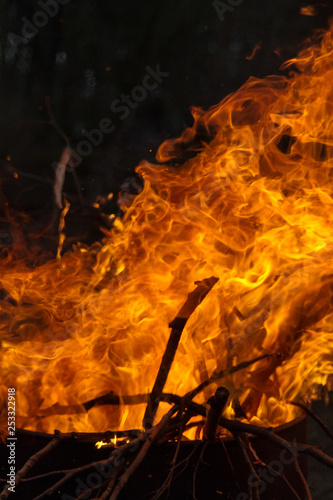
309, 10
254, 208
254, 51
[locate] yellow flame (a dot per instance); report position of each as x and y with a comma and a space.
253, 208
62, 235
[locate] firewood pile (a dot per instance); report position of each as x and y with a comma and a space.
127, 451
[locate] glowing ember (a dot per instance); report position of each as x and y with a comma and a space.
254, 208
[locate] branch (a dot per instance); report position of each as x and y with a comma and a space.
53, 121
143, 452
107, 399
244, 446
70, 473
112, 399
305, 484
177, 325
168, 481
314, 417
200, 459
85, 493
111, 483
32, 461
223, 373
235, 426
217, 404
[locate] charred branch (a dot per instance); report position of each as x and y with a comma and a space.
177, 326
112, 399
229, 371
217, 404
119, 457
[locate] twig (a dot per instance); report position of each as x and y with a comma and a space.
259, 461
217, 404
111, 483
107, 399
77, 185
167, 483
177, 326
244, 446
230, 464
68, 142
60, 176
112, 399
314, 417
143, 452
196, 469
305, 484
32, 461
266, 433
175, 429
223, 373
68, 475
53, 121
282, 476
308, 307
86, 493
118, 456
89, 436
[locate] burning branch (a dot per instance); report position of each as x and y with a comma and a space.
65, 160
113, 399
60, 176
229, 371
217, 404
307, 308
146, 441
177, 326
106, 399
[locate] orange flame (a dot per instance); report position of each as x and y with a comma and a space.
253, 208
309, 10
254, 51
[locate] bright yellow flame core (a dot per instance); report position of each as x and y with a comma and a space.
259, 219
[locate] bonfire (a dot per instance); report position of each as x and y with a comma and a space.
218, 274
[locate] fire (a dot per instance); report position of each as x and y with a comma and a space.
253, 208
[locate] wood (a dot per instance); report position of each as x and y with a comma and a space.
306, 309
313, 416
142, 453
120, 455
177, 326
217, 404
223, 373
32, 461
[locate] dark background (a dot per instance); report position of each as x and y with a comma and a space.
91, 52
